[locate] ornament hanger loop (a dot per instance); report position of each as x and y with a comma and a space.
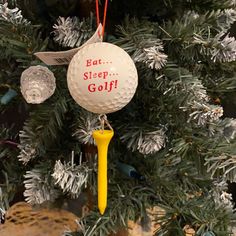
104, 17
103, 120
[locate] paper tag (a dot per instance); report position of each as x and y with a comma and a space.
64, 57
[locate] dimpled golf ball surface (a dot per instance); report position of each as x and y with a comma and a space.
102, 78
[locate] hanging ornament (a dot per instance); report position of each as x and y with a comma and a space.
102, 140
102, 78
8, 96
37, 84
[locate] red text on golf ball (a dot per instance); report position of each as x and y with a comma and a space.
106, 86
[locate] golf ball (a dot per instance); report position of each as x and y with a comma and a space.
102, 78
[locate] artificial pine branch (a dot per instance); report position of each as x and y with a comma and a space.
195, 36
146, 141
13, 16
223, 165
41, 130
71, 178
39, 185
172, 118
19, 36
201, 5
141, 43
130, 199
5, 150
85, 123
70, 32
6, 193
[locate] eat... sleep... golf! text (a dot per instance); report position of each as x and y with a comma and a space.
102, 75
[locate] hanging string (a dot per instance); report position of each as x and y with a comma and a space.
103, 120
104, 16
97, 13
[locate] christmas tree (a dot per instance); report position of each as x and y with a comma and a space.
174, 149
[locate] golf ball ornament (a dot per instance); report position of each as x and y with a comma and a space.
102, 78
